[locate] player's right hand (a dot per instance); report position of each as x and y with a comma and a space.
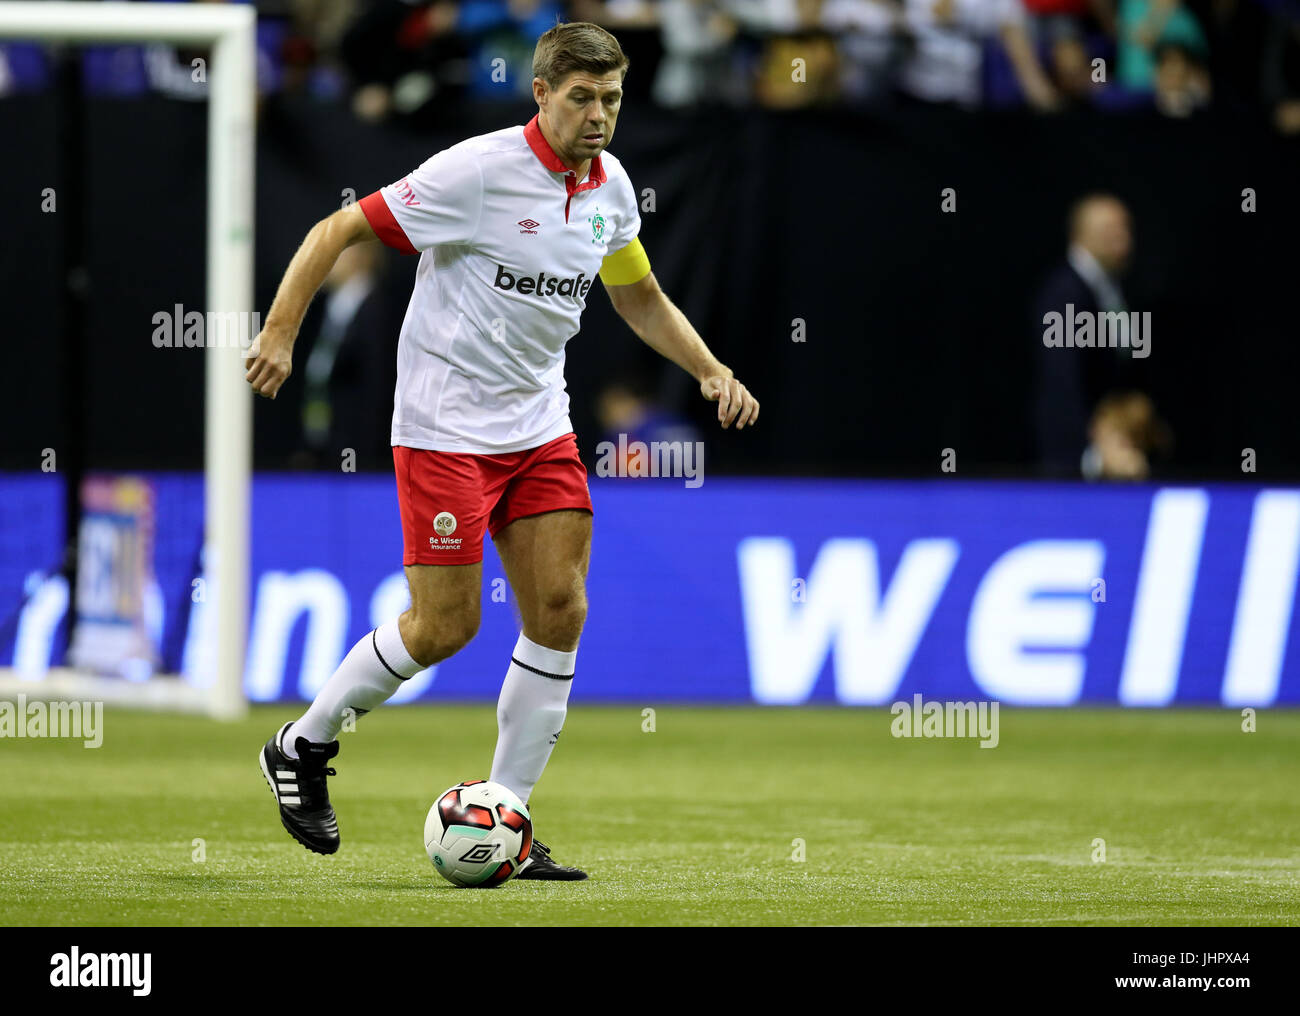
270, 362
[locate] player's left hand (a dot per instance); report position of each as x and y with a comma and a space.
735, 403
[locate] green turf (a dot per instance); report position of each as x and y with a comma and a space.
694, 823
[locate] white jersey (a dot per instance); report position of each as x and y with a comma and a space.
511, 244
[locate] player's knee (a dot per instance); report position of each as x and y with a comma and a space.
564, 611
435, 637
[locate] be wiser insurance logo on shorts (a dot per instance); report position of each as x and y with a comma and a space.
444, 525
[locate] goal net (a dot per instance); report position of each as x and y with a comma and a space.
106, 594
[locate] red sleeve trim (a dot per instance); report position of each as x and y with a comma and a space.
377, 213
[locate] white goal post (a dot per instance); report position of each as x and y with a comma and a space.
231, 31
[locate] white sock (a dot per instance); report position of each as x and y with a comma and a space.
530, 714
371, 672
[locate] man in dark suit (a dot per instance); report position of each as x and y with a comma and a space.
1070, 382
351, 365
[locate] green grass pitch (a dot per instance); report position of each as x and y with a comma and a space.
694, 823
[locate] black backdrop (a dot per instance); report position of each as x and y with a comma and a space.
918, 335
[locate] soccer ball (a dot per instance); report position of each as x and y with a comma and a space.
478, 834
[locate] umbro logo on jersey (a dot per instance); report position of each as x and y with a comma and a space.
543, 285
529, 226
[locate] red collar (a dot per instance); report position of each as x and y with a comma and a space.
547, 157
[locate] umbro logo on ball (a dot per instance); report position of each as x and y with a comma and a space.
480, 853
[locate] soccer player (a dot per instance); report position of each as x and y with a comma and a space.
512, 229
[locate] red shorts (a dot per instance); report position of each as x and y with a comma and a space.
447, 499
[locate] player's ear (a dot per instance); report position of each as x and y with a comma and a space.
539, 91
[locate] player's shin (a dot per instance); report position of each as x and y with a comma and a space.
530, 714
368, 676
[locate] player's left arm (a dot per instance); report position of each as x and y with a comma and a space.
659, 323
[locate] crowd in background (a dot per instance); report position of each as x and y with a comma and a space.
1094, 414
394, 57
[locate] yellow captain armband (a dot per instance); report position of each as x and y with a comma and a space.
626, 266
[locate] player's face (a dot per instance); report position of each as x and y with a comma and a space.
582, 112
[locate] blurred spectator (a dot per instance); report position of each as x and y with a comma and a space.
502, 35
618, 14
871, 37
309, 48
322, 22
1060, 29
697, 63
1071, 382
399, 56
626, 406
799, 65
1122, 435
1182, 83
1071, 68
1144, 25
401, 53
947, 60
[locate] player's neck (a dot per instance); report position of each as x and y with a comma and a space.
580, 168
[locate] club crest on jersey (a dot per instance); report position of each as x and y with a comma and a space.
597, 227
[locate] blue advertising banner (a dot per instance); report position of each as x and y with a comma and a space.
757, 590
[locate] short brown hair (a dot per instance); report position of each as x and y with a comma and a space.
576, 46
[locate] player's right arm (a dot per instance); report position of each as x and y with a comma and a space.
270, 356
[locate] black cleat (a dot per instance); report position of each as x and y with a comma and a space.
540, 866
299, 788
